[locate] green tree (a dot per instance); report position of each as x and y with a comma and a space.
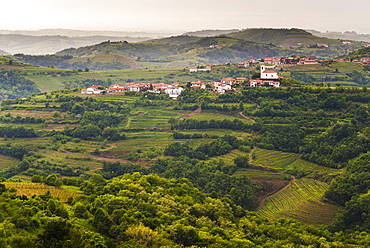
242, 161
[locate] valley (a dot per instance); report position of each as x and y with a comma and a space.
268, 150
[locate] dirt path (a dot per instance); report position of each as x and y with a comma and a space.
123, 161
251, 155
255, 103
246, 117
110, 147
197, 111
263, 199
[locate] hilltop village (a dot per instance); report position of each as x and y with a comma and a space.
269, 78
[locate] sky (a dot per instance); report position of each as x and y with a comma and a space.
189, 15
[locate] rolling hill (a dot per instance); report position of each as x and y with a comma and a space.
178, 49
185, 50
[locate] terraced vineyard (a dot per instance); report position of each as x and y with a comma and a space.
291, 163
275, 159
6, 161
300, 201
150, 118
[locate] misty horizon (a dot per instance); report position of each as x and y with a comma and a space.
166, 15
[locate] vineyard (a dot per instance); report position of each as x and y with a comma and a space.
6, 161
30, 189
300, 201
291, 163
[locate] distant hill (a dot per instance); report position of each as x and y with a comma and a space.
38, 45
2, 52
282, 37
348, 35
84, 33
211, 32
98, 62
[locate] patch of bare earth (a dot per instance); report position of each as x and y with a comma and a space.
188, 115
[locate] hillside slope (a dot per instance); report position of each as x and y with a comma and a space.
98, 62
177, 49
363, 52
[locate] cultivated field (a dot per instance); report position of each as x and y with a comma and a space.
292, 164
301, 200
30, 189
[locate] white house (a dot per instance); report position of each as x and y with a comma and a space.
243, 64
365, 60
173, 91
116, 88
265, 74
229, 81
95, 89
222, 88
196, 69
198, 85
262, 83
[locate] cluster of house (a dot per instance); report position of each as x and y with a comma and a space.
173, 90
280, 62
365, 61
196, 69
268, 78
362, 61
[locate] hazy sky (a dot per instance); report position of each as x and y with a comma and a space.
189, 15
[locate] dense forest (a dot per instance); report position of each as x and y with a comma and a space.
13, 85
147, 211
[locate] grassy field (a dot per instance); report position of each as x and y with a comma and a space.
46, 83
150, 117
300, 201
334, 70
229, 158
220, 115
30, 189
